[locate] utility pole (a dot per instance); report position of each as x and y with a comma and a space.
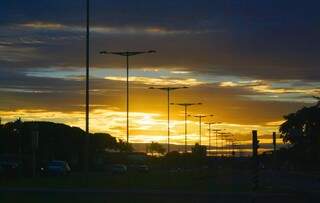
168, 90
185, 105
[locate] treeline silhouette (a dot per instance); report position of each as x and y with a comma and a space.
302, 130
55, 141
62, 142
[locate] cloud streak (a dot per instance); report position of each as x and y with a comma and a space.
125, 30
275, 89
158, 81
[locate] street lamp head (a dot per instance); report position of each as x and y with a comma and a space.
199, 103
151, 51
176, 88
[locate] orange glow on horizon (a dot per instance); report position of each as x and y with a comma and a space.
144, 127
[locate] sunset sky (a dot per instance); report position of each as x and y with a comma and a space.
249, 62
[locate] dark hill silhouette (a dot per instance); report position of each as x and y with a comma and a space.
56, 141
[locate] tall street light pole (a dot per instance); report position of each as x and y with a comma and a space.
216, 139
233, 147
226, 143
200, 119
86, 158
229, 138
127, 54
209, 129
185, 105
168, 90
231, 144
222, 134
216, 131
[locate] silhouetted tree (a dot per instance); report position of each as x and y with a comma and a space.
124, 146
155, 147
199, 150
302, 130
102, 141
56, 141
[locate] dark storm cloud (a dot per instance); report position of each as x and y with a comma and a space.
113, 13
259, 39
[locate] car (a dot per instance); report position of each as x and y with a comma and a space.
119, 169
143, 168
10, 167
56, 168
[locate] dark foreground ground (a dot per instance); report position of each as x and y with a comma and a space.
220, 185
140, 196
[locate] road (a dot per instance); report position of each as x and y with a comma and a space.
102, 195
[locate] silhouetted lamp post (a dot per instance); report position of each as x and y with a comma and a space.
216, 138
168, 90
86, 148
185, 105
229, 140
200, 119
127, 54
209, 129
223, 136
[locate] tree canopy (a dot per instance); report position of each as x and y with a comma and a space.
56, 141
199, 150
302, 130
155, 147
